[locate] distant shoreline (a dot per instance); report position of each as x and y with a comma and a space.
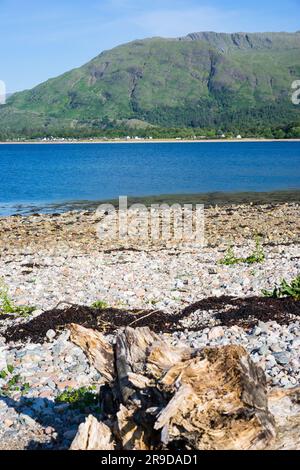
146, 141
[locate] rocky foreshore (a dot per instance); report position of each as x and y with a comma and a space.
48, 259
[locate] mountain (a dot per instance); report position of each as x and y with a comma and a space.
204, 80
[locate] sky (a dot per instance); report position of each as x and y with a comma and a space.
40, 40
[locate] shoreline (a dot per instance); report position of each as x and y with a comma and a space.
232, 223
147, 141
209, 199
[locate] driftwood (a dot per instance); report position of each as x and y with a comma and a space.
93, 435
158, 396
98, 350
285, 407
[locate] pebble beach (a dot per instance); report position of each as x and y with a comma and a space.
50, 259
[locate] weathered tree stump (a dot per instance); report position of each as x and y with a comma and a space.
157, 396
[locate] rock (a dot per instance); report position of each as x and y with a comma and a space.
236, 330
140, 292
8, 423
264, 350
296, 343
59, 347
284, 382
67, 384
28, 420
51, 384
69, 359
49, 430
212, 271
216, 333
2, 359
271, 361
46, 394
264, 327
275, 348
50, 335
64, 336
282, 358
257, 331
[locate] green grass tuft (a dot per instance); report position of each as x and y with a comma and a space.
14, 383
81, 398
99, 305
7, 306
285, 290
258, 256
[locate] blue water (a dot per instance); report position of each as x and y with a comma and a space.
42, 174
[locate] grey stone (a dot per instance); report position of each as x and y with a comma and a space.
216, 333
51, 384
284, 382
2, 382
275, 348
59, 347
212, 270
265, 328
271, 361
50, 335
27, 420
3, 363
282, 358
257, 331
264, 350
296, 343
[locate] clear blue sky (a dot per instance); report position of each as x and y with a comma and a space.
42, 39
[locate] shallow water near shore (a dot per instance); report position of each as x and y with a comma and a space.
56, 178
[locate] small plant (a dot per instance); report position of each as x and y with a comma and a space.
7, 306
10, 368
229, 258
81, 398
285, 290
99, 305
258, 256
3, 374
14, 384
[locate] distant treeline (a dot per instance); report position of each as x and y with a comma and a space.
291, 131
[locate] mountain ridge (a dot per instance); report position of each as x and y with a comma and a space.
203, 80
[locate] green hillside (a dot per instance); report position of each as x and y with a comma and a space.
204, 80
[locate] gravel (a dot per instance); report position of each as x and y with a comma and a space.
167, 278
